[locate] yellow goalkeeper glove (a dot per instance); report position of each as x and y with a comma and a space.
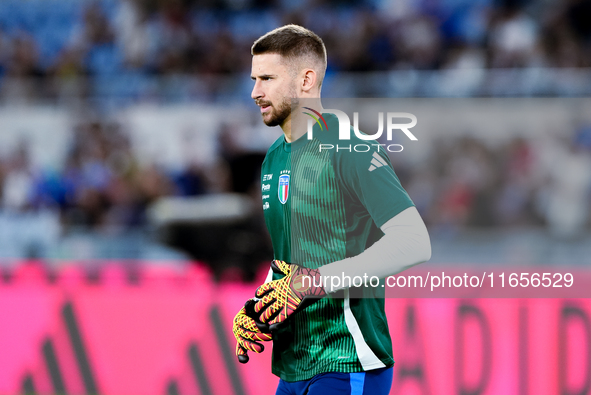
248, 333
279, 299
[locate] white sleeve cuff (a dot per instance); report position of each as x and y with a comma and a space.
269, 276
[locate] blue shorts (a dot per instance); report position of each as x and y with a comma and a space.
372, 382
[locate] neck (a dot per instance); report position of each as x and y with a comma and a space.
286, 127
295, 126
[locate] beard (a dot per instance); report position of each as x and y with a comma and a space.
279, 113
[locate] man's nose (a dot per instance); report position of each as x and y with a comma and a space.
256, 91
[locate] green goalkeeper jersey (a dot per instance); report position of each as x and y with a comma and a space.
321, 206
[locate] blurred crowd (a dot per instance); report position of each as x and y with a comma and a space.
102, 187
50, 47
101, 183
132, 39
523, 183
465, 183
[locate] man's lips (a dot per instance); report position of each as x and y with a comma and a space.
265, 106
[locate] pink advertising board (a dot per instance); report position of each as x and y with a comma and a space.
170, 333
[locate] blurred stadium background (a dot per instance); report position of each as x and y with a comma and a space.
129, 189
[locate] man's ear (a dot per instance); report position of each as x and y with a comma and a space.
309, 79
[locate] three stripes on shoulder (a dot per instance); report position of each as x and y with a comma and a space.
377, 161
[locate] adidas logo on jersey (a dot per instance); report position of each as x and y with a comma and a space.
377, 161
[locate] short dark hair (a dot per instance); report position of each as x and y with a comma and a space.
292, 42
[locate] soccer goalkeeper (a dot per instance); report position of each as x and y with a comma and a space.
330, 213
